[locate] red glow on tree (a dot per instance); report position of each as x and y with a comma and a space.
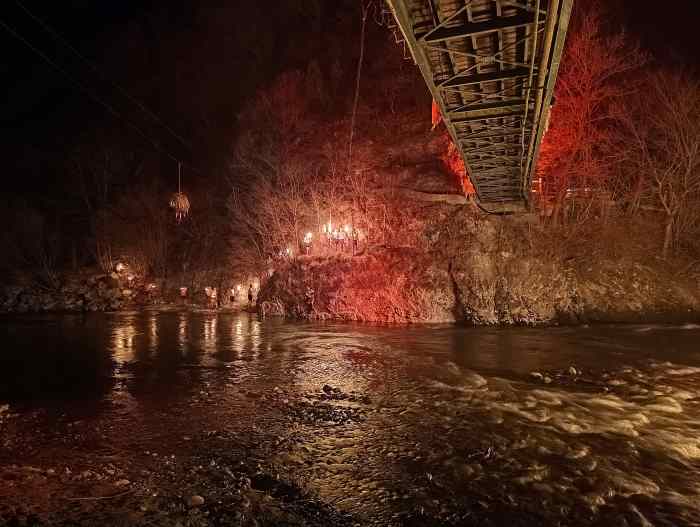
455, 164
451, 156
580, 147
436, 116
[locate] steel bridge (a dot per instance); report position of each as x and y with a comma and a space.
491, 66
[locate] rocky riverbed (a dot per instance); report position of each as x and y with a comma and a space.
228, 476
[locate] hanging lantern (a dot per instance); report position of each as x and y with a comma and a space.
179, 201
181, 204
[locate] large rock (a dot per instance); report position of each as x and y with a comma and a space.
390, 286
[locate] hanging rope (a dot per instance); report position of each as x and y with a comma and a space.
365, 12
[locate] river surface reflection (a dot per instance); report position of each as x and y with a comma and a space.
419, 425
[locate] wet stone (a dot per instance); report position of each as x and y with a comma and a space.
320, 413
195, 501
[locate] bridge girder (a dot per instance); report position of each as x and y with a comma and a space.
491, 66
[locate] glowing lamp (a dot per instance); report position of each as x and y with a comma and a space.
180, 203
120, 267
346, 228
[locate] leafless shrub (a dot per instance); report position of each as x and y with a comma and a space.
665, 136
583, 148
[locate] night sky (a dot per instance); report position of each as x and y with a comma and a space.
195, 67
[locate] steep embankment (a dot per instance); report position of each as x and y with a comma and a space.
463, 265
389, 286
483, 276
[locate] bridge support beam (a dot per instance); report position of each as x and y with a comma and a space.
491, 66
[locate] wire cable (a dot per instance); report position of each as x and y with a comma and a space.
95, 69
89, 93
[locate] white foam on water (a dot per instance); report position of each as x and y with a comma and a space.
608, 401
684, 395
643, 521
665, 404
628, 483
578, 452
473, 379
602, 435
617, 382
546, 397
453, 368
688, 370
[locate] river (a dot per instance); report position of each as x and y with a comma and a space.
131, 418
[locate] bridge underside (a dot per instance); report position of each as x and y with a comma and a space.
491, 66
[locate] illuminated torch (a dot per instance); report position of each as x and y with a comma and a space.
308, 239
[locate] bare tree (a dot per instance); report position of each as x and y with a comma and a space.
665, 134
582, 146
98, 169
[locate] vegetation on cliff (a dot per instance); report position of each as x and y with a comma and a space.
338, 197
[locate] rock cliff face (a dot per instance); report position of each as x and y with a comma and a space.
456, 263
390, 286
484, 271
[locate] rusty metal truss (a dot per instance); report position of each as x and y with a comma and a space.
491, 66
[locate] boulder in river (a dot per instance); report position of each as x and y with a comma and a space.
195, 501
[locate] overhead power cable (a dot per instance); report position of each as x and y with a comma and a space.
83, 88
96, 70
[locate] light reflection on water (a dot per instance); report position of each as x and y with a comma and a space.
456, 403
152, 332
182, 333
123, 336
210, 336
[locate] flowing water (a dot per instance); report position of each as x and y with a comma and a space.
373, 425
